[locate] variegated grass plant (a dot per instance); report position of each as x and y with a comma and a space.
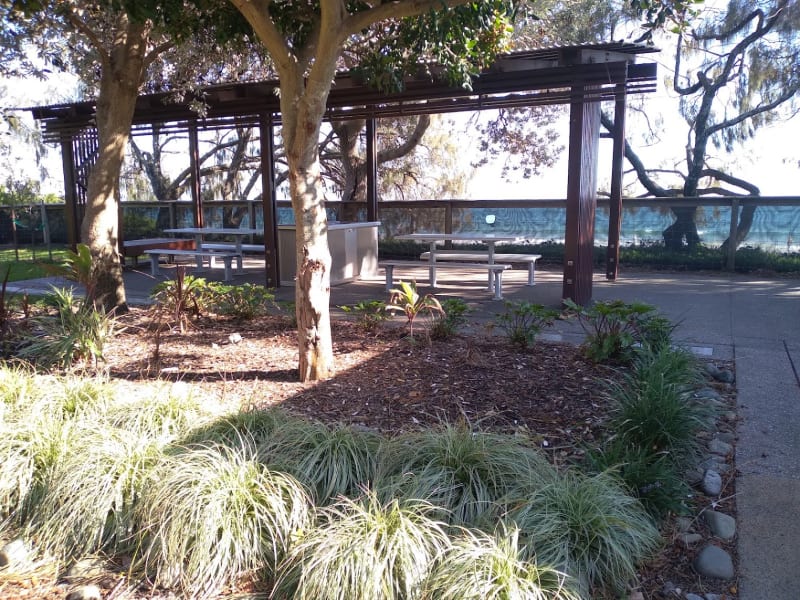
465, 472
363, 550
479, 566
89, 500
331, 461
253, 427
211, 515
587, 526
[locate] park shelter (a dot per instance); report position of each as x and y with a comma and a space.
581, 77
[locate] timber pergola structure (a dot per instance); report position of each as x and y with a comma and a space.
579, 76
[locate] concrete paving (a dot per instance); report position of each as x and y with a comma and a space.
752, 320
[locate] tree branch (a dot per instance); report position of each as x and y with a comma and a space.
641, 171
727, 178
103, 56
754, 111
257, 14
398, 9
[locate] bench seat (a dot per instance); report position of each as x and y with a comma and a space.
465, 255
232, 247
495, 271
227, 258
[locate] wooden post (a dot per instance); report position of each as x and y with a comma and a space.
734, 227
372, 169
615, 201
271, 262
584, 138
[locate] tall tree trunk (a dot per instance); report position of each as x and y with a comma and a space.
116, 101
303, 102
682, 234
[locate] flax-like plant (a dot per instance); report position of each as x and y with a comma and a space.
330, 461
587, 526
467, 473
211, 515
89, 501
77, 332
479, 566
363, 550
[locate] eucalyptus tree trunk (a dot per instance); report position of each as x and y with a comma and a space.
116, 101
303, 103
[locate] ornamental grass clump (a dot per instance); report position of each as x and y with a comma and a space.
478, 566
211, 515
652, 406
252, 427
587, 526
364, 550
89, 500
464, 472
329, 461
31, 449
165, 412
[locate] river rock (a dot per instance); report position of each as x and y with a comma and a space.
723, 526
85, 592
693, 597
86, 568
690, 539
727, 437
14, 554
712, 483
713, 561
717, 446
683, 524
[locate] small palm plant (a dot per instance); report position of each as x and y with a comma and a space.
407, 299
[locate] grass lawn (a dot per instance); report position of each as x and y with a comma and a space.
30, 263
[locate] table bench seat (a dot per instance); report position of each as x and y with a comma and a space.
227, 258
135, 248
465, 255
495, 271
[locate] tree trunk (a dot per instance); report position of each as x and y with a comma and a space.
116, 101
745, 222
682, 234
302, 107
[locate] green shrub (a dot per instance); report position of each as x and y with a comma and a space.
480, 567
370, 313
613, 329
652, 407
523, 321
447, 325
587, 526
364, 550
246, 301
